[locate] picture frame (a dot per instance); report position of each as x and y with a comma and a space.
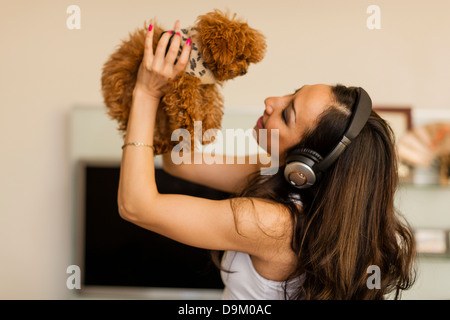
400, 120
444, 178
439, 172
432, 242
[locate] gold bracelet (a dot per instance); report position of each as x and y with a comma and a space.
138, 144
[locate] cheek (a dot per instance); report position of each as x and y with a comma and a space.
272, 141
283, 145
287, 140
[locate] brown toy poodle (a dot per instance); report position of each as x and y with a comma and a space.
222, 49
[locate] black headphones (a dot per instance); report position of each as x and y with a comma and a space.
305, 166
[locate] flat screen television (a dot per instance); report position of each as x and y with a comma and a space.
118, 257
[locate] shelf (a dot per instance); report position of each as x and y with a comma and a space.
423, 186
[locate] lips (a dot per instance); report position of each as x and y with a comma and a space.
260, 123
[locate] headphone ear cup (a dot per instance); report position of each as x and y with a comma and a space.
314, 156
299, 170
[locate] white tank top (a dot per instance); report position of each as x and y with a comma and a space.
245, 283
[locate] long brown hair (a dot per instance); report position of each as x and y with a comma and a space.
348, 221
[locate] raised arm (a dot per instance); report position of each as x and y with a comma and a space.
230, 176
257, 228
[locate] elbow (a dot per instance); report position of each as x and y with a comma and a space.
123, 211
128, 210
135, 210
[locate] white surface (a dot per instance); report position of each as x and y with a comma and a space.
47, 69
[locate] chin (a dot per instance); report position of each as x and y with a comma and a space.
255, 133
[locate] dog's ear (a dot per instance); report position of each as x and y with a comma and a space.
215, 30
119, 75
256, 45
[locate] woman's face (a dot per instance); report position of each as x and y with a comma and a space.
292, 115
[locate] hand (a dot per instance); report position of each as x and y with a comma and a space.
156, 69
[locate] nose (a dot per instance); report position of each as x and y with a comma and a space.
268, 102
243, 71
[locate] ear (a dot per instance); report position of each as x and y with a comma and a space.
257, 45
119, 77
215, 29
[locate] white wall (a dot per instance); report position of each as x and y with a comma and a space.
46, 70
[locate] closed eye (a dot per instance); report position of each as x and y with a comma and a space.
284, 115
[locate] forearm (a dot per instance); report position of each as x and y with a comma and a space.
137, 174
229, 176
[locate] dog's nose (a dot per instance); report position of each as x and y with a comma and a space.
243, 71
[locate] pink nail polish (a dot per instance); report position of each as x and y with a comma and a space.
178, 34
170, 32
150, 27
188, 42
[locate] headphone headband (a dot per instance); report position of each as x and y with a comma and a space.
360, 114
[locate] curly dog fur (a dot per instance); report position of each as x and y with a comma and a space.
227, 46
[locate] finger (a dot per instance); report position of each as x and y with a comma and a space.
177, 26
148, 47
160, 51
173, 50
184, 57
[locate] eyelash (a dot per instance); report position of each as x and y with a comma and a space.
284, 114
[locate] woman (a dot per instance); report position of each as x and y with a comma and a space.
276, 245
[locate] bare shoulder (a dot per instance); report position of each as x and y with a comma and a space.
271, 222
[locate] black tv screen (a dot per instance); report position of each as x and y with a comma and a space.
117, 253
